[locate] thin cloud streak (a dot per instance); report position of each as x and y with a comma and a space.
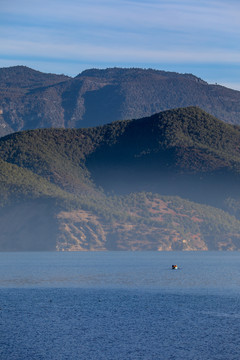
85, 51
165, 14
125, 31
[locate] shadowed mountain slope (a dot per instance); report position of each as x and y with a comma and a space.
183, 152
30, 99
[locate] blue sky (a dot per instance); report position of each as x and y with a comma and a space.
69, 36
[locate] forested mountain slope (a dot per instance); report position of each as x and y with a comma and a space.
165, 182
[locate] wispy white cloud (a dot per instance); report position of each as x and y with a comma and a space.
172, 15
85, 51
126, 31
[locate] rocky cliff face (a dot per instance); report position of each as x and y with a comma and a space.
81, 230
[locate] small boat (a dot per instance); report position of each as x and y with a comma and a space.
174, 267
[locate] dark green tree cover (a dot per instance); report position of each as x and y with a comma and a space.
118, 171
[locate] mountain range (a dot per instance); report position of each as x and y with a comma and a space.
30, 99
169, 181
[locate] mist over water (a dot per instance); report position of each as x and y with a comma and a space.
120, 305
209, 272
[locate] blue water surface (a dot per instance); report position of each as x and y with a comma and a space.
120, 305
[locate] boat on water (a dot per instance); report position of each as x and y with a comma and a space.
174, 267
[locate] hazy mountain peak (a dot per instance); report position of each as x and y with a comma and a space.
30, 99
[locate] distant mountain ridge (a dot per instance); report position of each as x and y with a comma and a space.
30, 99
23, 77
165, 182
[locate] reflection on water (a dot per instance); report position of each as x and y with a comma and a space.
199, 271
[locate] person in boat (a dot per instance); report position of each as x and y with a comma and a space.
174, 267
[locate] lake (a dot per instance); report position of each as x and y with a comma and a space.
120, 305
